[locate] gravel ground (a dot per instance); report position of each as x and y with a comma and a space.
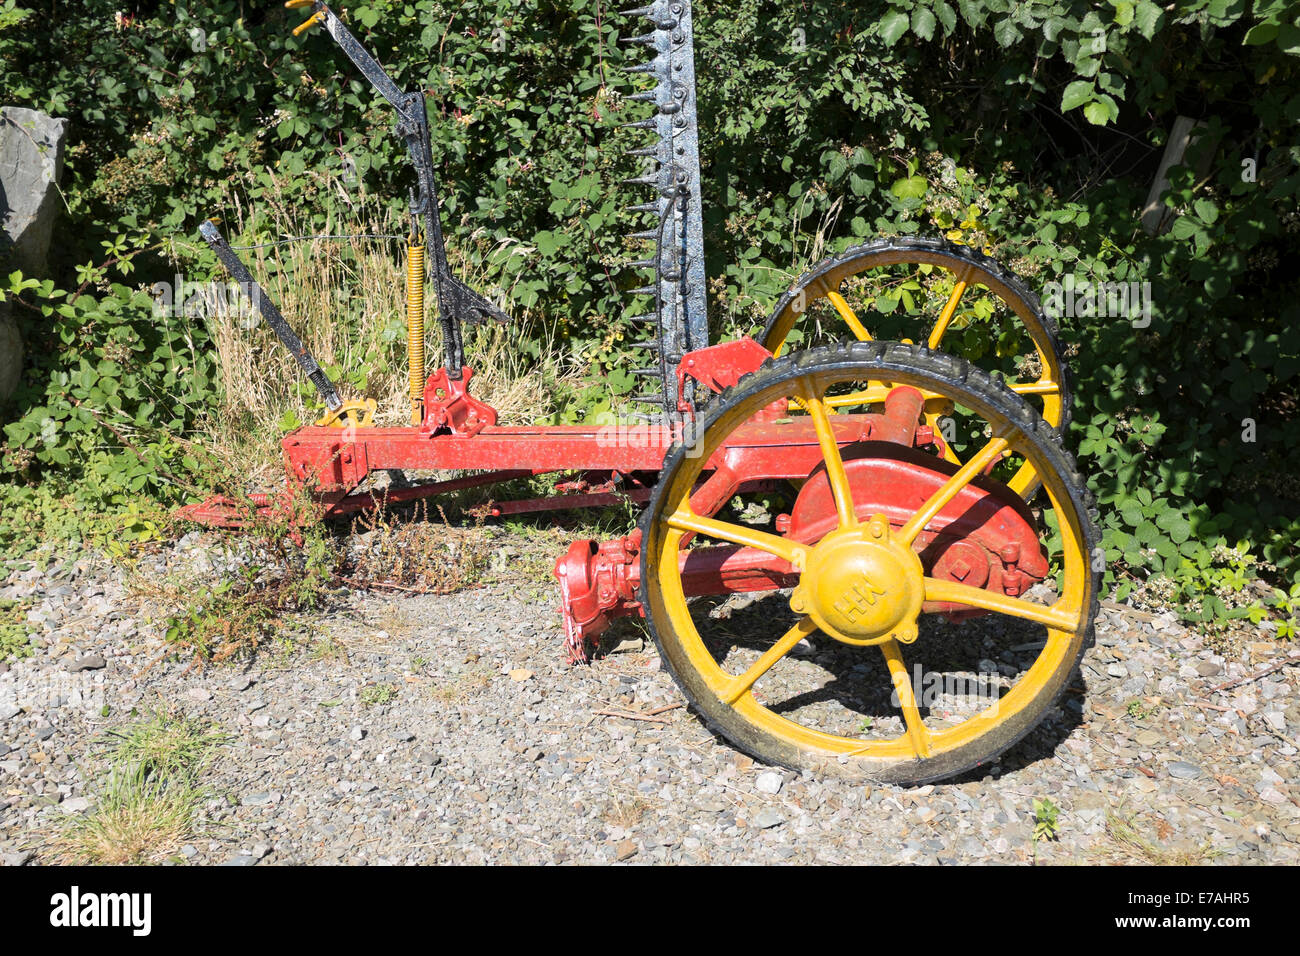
423, 729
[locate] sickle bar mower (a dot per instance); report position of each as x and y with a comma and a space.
884, 517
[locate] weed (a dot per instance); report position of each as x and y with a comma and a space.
221, 623
232, 617
1140, 711
375, 695
411, 554
463, 684
13, 629
1046, 822
328, 648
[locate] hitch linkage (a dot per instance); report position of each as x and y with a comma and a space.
458, 304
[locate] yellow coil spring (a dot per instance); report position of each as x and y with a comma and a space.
415, 328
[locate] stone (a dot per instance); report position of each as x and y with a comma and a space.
91, 662
767, 818
769, 782
31, 160
1184, 770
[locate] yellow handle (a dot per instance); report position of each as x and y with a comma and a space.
310, 22
295, 4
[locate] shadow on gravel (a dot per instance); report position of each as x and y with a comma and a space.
957, 668
1041, 742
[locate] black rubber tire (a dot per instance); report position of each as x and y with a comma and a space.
897, 363
950, 255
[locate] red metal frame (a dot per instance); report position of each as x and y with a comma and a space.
984, 537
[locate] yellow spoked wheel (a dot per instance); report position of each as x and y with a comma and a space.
844, 671
930, 291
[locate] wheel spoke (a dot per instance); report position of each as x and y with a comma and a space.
1043, 387
737, 687
950, 488
950, 309
916, 731
849, 316
1057, 616
877, 393
684, 520
835, 473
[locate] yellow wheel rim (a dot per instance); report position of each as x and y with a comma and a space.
892, 598
966, 275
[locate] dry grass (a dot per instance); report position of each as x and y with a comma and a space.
151, 794
345, 298
460, 687
1128, 844
627, 812
417, 555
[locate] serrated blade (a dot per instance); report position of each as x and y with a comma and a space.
677, 283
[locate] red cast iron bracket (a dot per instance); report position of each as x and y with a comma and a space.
448, 406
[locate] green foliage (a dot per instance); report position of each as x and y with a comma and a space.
376, 695
1020, 128
230, 618
13, 629
1046, 822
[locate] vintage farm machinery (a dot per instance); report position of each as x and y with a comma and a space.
918, 497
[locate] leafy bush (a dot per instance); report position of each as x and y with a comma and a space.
1031, 129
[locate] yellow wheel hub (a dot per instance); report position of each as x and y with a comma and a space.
862, 586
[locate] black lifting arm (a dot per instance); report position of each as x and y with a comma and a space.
270, 313
458, 304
